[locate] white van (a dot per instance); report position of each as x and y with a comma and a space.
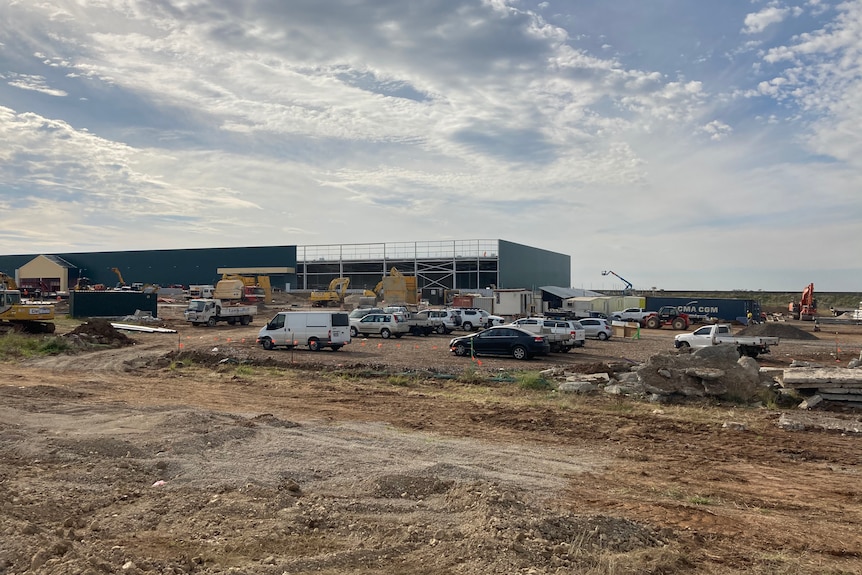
316, 329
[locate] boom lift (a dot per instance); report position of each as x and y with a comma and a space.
628, 288
806, 308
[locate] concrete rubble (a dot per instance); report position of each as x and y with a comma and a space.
716, 372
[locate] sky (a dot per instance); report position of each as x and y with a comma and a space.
681, 144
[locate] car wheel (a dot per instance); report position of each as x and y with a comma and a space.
679, 324
314, 345
267, 344
354, 332
653, 323
441, 329
684, 345
245, 320
467, 326
336, 347
385, 333
461, 349
211, 322
602, 336
520, 352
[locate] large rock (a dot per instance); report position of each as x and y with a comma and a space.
716, 371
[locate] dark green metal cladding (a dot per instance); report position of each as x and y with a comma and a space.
165, 267
528, 267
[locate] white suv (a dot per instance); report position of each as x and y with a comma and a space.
385, 324
451, 319
474, 318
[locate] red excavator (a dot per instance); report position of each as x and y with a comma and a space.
806, 308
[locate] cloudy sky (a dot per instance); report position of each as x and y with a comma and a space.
682, 144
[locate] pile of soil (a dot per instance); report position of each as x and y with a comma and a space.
101, 332
782, 330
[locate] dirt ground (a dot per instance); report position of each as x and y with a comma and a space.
199, 452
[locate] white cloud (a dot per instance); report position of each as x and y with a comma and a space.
33, 83
757, 22
192, 123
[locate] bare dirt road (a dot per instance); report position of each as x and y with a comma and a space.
391, 457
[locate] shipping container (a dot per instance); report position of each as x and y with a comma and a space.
708, 308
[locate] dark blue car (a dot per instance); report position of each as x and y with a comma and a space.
501, 340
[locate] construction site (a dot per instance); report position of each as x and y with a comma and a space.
158, 441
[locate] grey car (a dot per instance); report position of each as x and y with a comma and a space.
596, 327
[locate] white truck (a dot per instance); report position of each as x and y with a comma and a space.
635, 314
208, 311
720, 334
315, 329
560, 333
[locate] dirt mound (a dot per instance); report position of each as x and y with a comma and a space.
782, 330
100, 331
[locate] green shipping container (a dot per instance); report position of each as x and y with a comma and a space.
111, 303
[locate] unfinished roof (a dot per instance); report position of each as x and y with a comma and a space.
565, 293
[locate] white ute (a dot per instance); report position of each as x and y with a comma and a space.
635, 314
719, 334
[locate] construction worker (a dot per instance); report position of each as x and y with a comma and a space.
749, 317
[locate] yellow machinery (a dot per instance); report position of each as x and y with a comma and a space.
122, 282
30, 318
332, 296
7, 282
251, 281
398, 288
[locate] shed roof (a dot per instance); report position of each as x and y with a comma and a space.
565, 293
59, 261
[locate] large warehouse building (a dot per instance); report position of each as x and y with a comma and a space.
437, 265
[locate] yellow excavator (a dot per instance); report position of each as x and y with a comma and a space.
333, 296
18, 316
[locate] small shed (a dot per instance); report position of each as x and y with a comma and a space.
48, 275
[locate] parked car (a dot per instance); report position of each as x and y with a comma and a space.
451, 319
562, 335
501, 340
596, 327
385, 324
581, 332
396, 309
576, 331
475, 318
361, 312
633, 314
